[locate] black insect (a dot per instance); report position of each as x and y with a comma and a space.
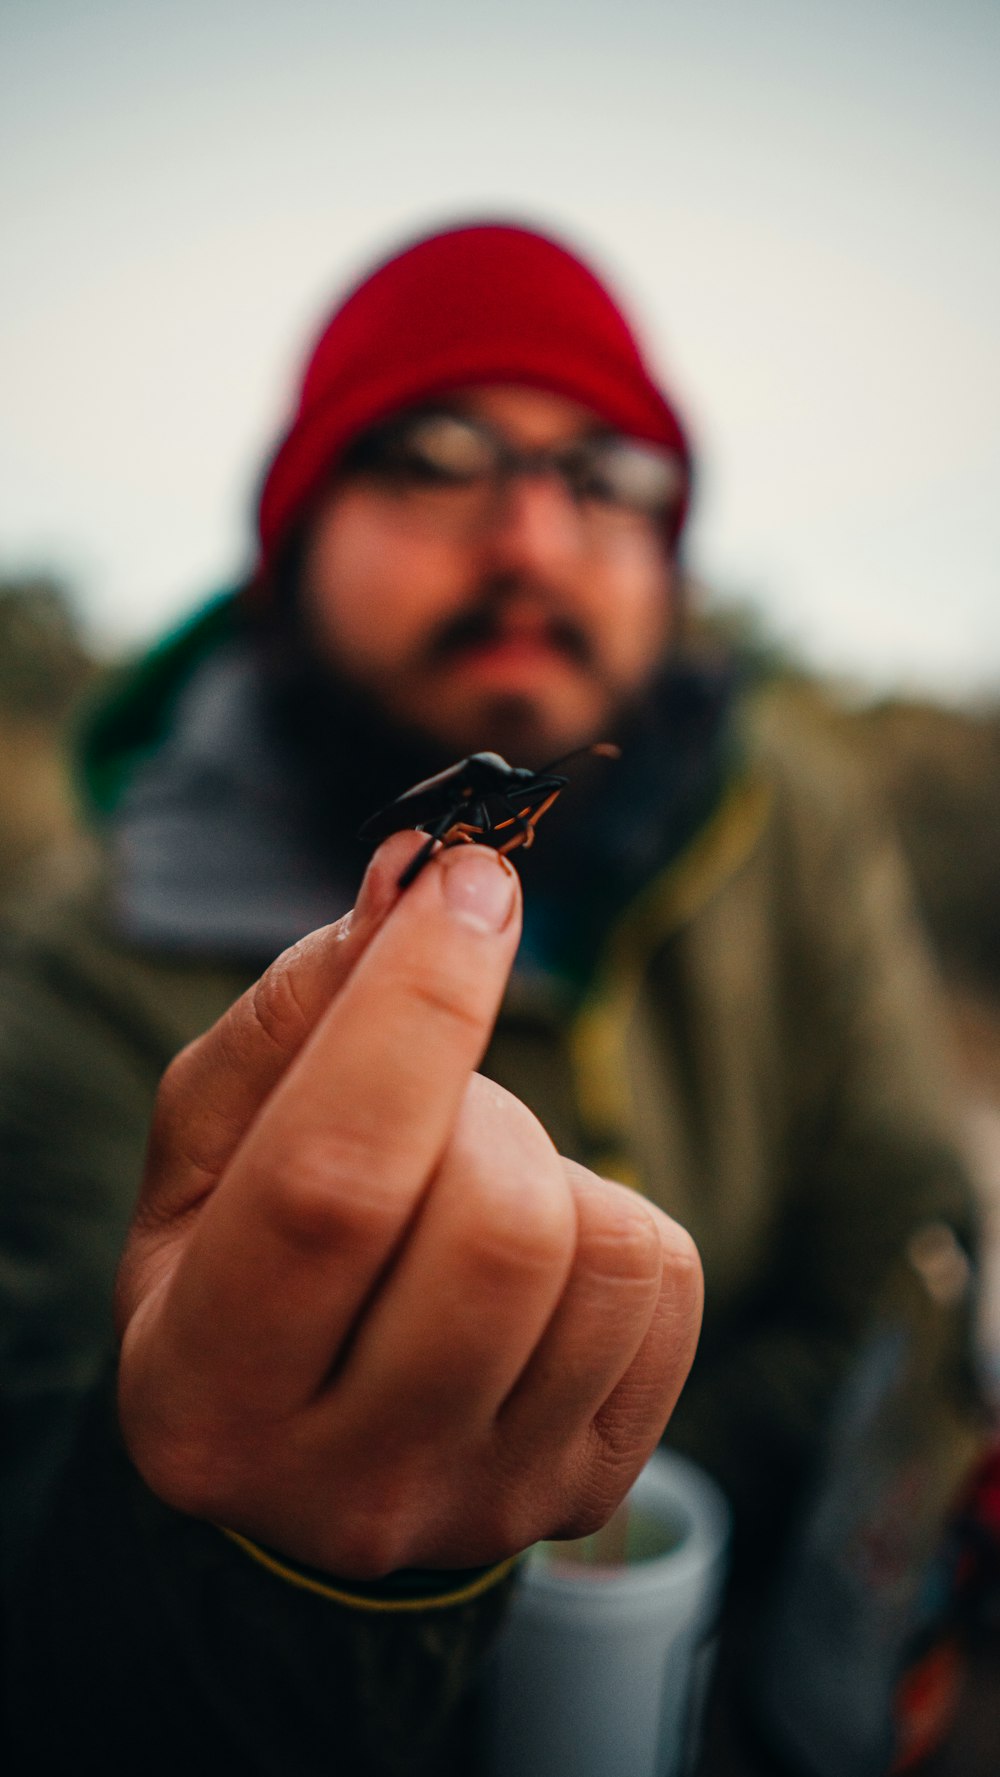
479, 799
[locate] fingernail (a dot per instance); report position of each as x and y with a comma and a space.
478, 886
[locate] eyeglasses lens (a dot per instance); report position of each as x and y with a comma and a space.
455, 467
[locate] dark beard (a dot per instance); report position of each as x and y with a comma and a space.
352, 748
344, 746
615, 825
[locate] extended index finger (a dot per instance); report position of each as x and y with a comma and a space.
322, 1189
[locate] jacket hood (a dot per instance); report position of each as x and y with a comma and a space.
128, 720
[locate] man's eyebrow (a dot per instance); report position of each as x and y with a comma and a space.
462, 403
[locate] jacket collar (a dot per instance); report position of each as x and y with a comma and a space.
238, 833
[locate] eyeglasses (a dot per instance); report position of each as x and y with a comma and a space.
455, 468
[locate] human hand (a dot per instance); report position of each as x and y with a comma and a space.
367, 1314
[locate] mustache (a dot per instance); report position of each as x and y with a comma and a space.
482, 622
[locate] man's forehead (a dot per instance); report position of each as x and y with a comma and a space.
530, 415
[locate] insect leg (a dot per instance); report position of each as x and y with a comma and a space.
417, 863
474, 827
426, 852
525, 821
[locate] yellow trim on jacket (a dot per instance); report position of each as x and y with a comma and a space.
306, 1582
597, 1042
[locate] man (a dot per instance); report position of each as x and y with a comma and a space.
369, 1321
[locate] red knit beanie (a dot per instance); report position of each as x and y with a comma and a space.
480, 304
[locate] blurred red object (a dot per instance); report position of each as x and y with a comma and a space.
929, 1693
926, 1703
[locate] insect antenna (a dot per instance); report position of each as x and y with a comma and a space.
601, 749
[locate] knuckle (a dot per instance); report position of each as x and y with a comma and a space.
173, 1145
634, 1413
596, 1486
618, 1239
515, 1232
543, 1492
631, 1421
529, 1237
681, 1252
274, 1004
173, 1097
684, 1280
324, 1194
445, 998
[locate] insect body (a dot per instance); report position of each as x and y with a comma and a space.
480, 798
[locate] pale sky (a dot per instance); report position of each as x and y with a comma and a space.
799, 200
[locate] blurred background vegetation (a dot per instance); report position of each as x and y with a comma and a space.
935, 767
46, 668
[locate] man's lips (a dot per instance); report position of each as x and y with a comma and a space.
514, 651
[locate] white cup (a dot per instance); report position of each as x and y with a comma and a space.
601, 1671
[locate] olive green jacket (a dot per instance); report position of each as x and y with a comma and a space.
758, 1049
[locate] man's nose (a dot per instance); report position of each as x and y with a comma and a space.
534, 523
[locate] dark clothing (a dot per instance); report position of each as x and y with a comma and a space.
734, 1013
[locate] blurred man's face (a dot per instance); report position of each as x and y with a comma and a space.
521, 618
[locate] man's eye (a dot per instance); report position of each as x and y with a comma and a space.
446, 450
626, 474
